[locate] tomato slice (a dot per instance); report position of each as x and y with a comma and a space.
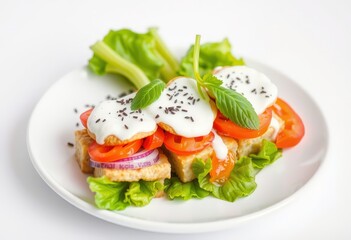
84, 117
155, 140
294, 129
221, 168
186, 146
102, 153
226, 127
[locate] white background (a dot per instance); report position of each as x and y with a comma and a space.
307, 40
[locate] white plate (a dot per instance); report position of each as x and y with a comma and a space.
53, 123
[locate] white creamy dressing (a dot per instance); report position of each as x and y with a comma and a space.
276, 125
115, 117
219, 147
253, 85
181, 107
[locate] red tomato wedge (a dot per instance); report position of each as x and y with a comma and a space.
226, 127
84, 117
186, 146
155, 140
221, 168
294, 129
102, 153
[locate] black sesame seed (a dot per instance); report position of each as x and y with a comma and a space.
97, 120
159, 107
70, 144
185, 94
135, 117
191, 118
75, 110
77, 124
185, 87
157, 116
171, 89
228, 76
141, 119
184, 110
104, 120
126, 126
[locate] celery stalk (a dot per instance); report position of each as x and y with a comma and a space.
117, 64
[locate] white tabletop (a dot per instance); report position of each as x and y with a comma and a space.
307, 40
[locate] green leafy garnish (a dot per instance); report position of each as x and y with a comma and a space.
231, 104
148, 94
240, 183
119, 195
268, 154
138, 57
212, 55
176, 189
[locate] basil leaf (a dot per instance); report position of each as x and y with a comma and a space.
148, 94
211, 79
234, 106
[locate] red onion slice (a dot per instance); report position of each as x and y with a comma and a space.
138, 155
148, 159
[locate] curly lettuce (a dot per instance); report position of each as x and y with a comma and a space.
138, 57
267, 155
119, 195
241, 182
176, 189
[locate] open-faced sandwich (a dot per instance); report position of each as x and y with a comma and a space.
192, 137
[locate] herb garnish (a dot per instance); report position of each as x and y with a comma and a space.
231, 104
148, 94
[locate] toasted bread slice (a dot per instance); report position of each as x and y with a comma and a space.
160, 170
182, 165
253, 145
82, 142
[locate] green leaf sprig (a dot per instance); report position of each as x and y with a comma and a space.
231, 104
148, 94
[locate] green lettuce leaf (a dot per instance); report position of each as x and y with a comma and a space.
268, 154
240, 183
175, 189
212, 55
119, 195
138, 57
